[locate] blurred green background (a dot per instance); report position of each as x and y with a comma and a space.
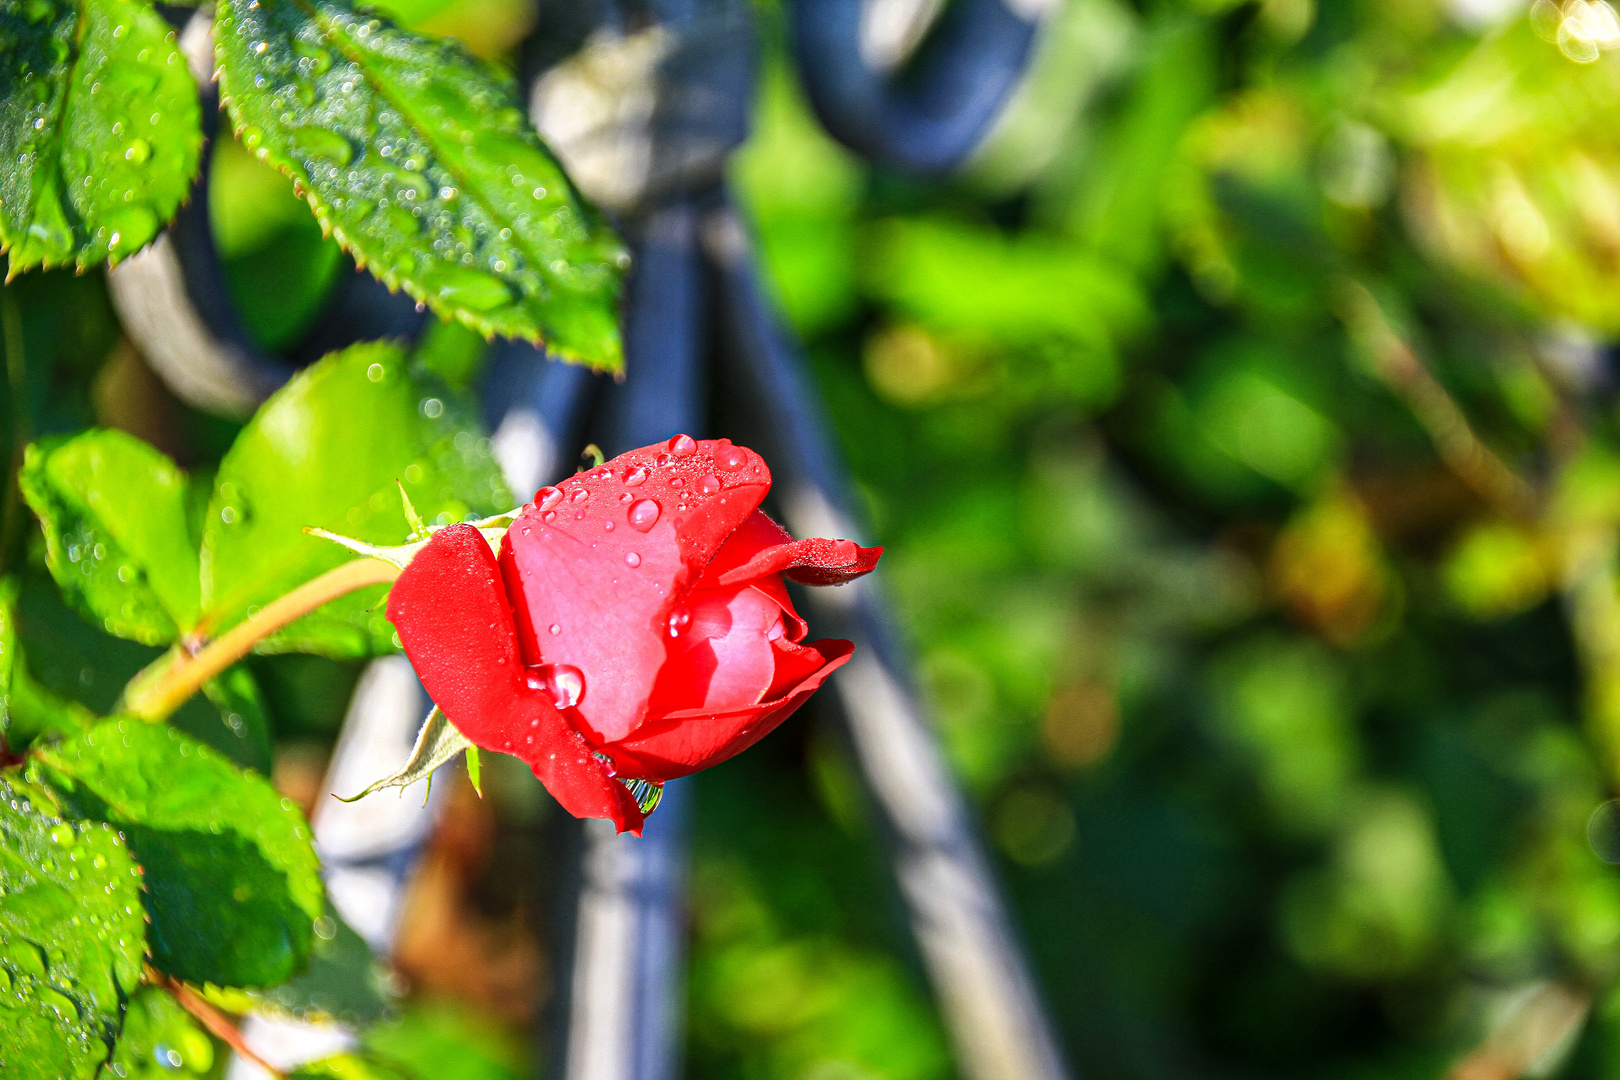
1243, 424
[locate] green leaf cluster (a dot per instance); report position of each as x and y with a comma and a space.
201, 868
417, 157
128, 843
131, 550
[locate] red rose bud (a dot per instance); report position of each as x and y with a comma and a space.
635, 628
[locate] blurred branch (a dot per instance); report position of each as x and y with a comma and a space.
173, 678
209, 1017
1531, 1035
1394, 361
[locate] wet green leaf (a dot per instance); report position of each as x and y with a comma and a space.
33, 711
114, 514
98, 127
420, 160
330, 450
232, 886
71, 937
160, 1041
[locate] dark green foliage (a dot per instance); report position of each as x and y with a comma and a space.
345, 983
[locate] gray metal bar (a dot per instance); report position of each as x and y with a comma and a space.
975, 961
622, 1016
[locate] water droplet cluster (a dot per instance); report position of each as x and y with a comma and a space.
611, 507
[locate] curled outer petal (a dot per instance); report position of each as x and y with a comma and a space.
456, 625
595, 565
809, 562
681, 743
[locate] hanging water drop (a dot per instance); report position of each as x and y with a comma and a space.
645, 792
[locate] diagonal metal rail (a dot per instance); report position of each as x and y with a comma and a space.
975, 960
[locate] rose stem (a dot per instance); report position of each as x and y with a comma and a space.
210, 1018
171, 680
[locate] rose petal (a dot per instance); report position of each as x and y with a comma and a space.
757, 533
454, 621
814, 561
597, 572
680, 744
722, 659
794, 664
794, 626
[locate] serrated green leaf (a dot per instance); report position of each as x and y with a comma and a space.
116, 538
71, 938
328, 451
98, 128
436, 743
232, 885
419, 159
160, 1041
